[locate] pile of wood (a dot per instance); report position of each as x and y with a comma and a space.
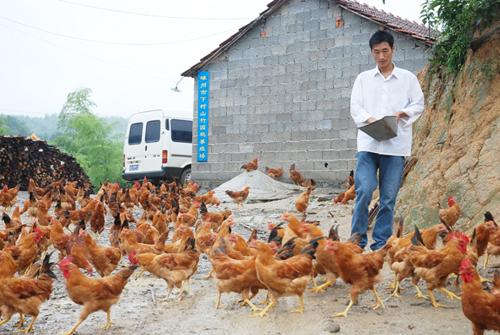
24, 158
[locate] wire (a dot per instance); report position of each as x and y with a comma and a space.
156, 15
110, 42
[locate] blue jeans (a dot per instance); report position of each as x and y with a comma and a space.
365, 178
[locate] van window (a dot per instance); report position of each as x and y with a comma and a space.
152, 131
135, 133
182, 131
167, 127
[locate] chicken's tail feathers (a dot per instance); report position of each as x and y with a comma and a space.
417, 237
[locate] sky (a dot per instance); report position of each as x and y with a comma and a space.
130, 53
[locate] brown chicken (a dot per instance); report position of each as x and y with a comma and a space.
235, 275
450, 215
282, 278
434, 266
482, 308
104, 259
215, 218
8, 196
346, 196
493, 247
175, 268
128, 242
398, 251
190, 217
205, 237
26, 250
149, 233
251, 166
274, 173
93, 294
208, 198
302, 202
239, 197
359, 270
295, 175
25, 295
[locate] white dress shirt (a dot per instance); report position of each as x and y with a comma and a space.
376, 96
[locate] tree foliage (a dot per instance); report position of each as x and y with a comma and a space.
3, 127
457, 20
90, 140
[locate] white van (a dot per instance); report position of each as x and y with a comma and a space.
158, 145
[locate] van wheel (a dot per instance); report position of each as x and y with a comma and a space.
185, 176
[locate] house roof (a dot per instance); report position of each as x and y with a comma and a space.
388, 20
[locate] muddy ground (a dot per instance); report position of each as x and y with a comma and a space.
141, 311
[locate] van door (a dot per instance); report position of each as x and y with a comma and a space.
152, 146
133, 151
181, 139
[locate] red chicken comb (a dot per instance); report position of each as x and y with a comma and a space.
465, 265
132, 257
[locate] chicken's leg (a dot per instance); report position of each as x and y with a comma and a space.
344, 313
450, 294
108, 320
86, 311
217, 305
323, 286
4, 321
395, 292
419, 293
209, 275
20, 323
30, 326
379, 302
395, 282
485, 263
268, 307
246, 301
301, 305
139, 275
433, 300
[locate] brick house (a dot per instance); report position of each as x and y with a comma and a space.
280, 87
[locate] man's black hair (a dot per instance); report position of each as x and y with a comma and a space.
381, 36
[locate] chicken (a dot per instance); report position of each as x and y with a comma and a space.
398, 253
282, 278
479, 306
326, 262
128, 241
251, 166
235, 275
239, 197
104, 259
205, 237
25, 295
27, 249
149, 233
434, 266
208, 198
8, 196
493, 247
58, 238
346, 196
12, 225
450, 215
97, 218
93, 294
274, 173
174, 268
302, 202
114, 232
295, 175
359, 270
215, 218
190, 217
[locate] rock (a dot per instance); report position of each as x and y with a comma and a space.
332, 327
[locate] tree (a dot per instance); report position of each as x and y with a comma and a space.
77, 102
89, 139
3, 126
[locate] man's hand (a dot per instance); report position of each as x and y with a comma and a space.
401, 115
371, 119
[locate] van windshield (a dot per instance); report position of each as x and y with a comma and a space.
182, 131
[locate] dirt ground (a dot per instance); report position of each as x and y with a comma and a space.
142, 311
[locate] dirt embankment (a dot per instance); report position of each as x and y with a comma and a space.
456, 141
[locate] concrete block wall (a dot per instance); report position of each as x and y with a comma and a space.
285, 97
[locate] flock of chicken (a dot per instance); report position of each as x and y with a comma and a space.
296, 252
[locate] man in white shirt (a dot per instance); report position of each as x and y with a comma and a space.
385, 90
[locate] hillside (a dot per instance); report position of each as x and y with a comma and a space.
456, 140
